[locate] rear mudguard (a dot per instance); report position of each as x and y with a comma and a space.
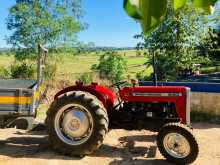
105, 95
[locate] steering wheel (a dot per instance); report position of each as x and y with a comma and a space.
119, 84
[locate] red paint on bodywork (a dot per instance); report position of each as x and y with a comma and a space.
105, 95
127, 94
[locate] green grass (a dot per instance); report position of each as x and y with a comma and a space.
6, 61
72, 66
136, 60
69, 67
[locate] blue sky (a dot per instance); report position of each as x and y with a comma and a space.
4, 6
108, 23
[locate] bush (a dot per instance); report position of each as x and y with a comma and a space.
94, 67
4, 73
144, 76
112, 66
138, 53
86, 78
22, 70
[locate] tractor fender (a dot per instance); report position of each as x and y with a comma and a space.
105, 95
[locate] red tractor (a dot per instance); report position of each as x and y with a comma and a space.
81, 115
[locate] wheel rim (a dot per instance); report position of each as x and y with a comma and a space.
176, 145
73, 124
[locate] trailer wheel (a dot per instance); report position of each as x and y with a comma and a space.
177, 144
77, 124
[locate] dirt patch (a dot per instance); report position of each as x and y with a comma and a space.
120, 147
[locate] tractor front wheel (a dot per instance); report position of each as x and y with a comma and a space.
77, 123
177, 144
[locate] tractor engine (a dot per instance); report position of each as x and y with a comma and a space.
142, 115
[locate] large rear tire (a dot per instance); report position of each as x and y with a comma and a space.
177, 144
77, 123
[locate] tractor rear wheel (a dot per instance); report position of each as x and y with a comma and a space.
77, 123
177, 144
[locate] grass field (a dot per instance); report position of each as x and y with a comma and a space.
73, 66
6, 61
70, 67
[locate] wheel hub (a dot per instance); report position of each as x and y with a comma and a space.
176, 145
75, 123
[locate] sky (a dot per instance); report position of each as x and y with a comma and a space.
108, 24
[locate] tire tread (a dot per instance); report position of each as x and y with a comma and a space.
101, 126
189, 135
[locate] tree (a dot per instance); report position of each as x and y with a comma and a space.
217, 30
175, 42
112, 66
47, 22
210, 45
84, 48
